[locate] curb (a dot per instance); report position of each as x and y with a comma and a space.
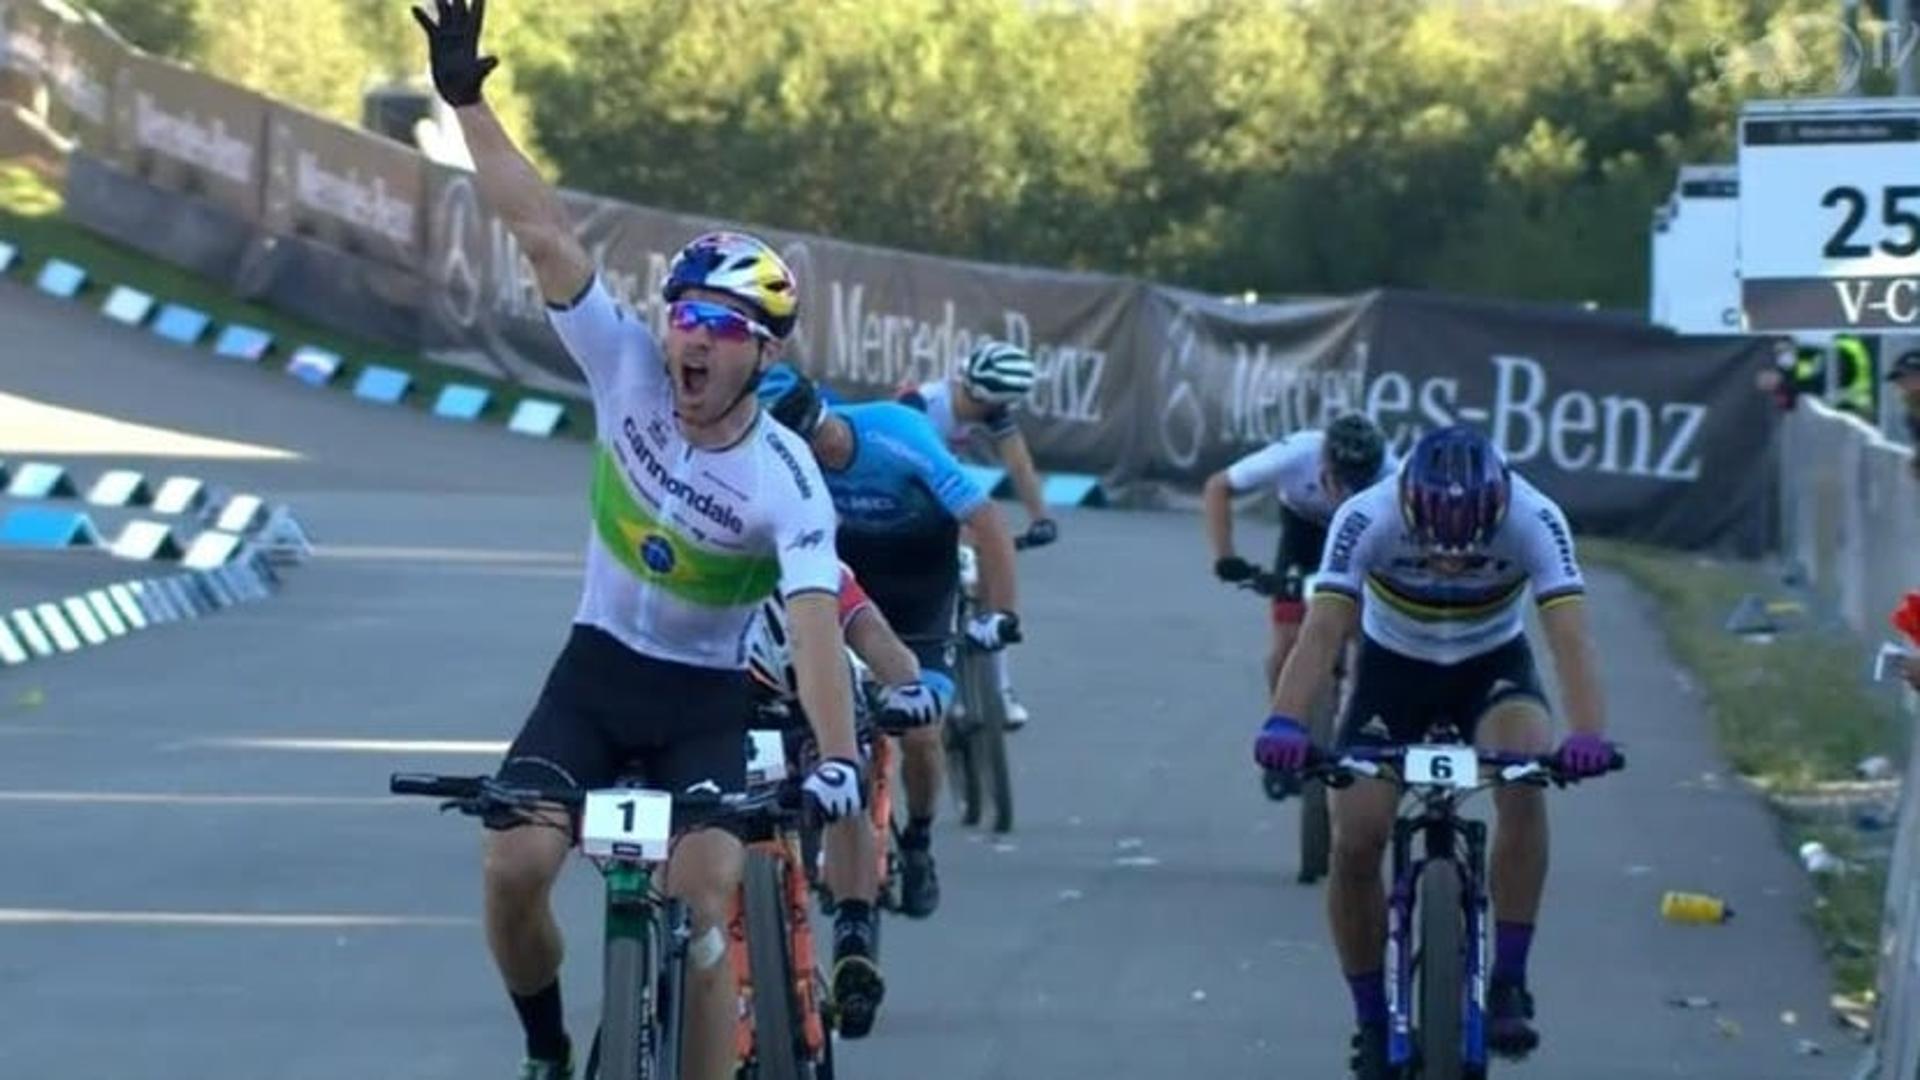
183, 325
86, 620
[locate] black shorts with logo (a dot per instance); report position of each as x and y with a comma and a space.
608, 712
921, 608
1301, 543
1397, 699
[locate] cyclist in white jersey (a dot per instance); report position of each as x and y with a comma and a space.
978, 400
1444, 554
702, 507
1311, 473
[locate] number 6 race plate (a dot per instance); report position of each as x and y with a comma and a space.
1442, 766
627, 823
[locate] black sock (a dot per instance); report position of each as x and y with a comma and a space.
852, 912
545, 1024
918, 833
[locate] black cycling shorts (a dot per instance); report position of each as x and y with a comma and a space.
608, 713
1301, 542
1397, 699
921, 609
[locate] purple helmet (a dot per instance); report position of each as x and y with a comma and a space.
1454, 491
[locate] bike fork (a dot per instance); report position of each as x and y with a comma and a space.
1475, 895
1399, 965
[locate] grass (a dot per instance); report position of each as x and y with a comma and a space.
1794, 717
30, 218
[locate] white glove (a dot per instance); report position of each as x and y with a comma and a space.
993, 630
835, 785
910, 706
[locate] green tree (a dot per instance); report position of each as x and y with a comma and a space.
169, 28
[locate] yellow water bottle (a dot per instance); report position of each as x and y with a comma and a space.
1685, 907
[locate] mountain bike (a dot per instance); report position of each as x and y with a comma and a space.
1316, 829
785, 1028
625, 832
976, 733
1437, 925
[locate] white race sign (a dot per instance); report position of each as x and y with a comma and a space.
627, 823
1442, 766
1830, 214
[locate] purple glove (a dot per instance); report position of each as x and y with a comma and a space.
1584, 754
1282, 744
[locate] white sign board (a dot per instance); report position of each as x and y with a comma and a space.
1696, 245
1830, 214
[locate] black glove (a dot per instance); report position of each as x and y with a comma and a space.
1234, 568
1042, 532
453, 44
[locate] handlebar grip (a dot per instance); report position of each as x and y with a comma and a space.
445, 787
1617, 762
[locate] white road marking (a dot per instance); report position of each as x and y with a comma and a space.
71, 917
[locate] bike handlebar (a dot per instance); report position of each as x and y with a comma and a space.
479, 795
1262, 583
1341, 769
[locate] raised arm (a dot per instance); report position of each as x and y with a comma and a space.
509, 184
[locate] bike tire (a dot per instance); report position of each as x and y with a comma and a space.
776, 1038
1443, 973
629, 1042
1316, 815
990, 745
963, 758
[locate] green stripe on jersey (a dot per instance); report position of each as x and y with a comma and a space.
658, 554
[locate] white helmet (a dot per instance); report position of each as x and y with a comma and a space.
770, 654
998, 373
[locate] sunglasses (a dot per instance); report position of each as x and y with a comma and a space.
719, 320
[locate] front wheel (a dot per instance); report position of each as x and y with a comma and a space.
640, 1024
988, 738
776, 1029
1316, 819
1443, 967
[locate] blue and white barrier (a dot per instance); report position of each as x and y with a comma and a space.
98, 616
238, 342
537, 418
127, 306
61, 278
40, 480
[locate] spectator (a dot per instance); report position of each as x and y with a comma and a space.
1796, 370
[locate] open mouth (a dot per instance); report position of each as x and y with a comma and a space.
693, 378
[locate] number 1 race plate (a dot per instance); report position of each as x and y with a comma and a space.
627, 824
1442, 766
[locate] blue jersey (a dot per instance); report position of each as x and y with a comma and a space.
900, 499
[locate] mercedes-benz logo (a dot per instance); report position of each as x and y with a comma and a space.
456, 218
1183, 422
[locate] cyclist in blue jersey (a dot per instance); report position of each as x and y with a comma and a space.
902, 499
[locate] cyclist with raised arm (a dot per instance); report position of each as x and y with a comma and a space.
910, 699
702, 506
978, 400
902, 501
1444, 556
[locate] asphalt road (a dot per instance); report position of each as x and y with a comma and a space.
200, 875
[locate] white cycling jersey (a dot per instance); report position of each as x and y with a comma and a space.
1447, 618
937, 398
686, 541
1291, 466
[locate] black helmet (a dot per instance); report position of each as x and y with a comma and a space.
1354, 450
